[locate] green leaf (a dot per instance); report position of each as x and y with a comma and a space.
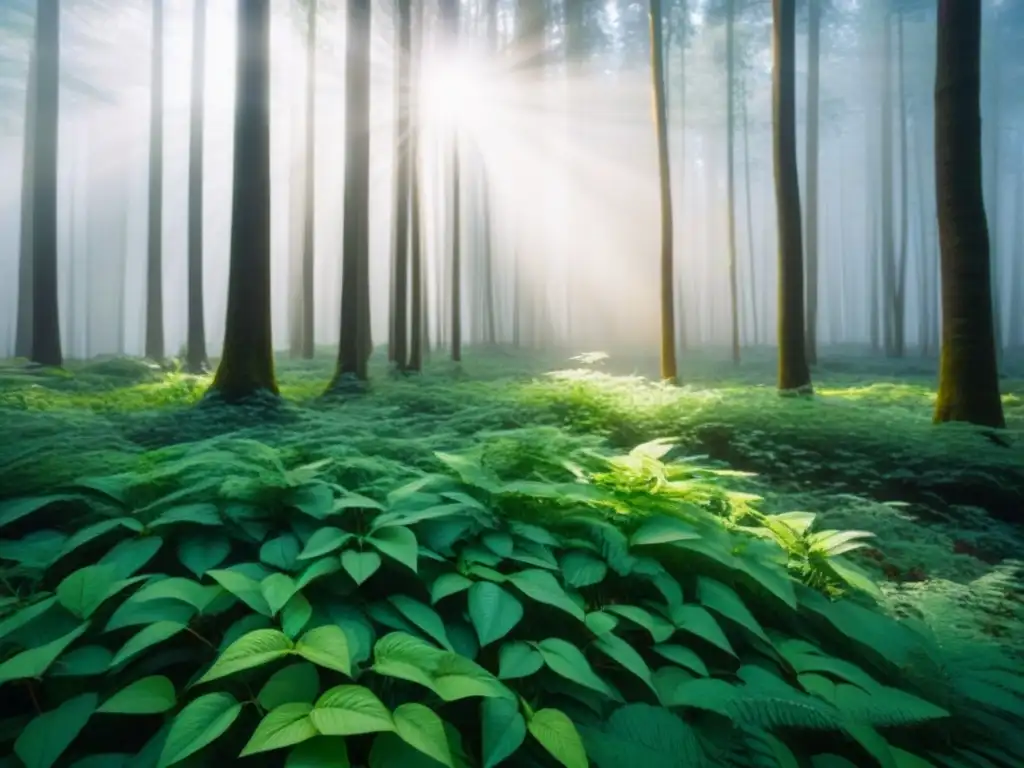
83, 662
259, 647
244, 588
324, 541
503, 730
15, 509
13, 623
724, 601
397, 543
662, 529
360, 565
544, 588
697, 621
660, 629
499, 542
682, 656
199, 724
600, 622
201, 553
196, 514
130, 555
582, 569
565, 659
148, 696
350, 710
419, 727
557, 734
326, 646
83, 591
448, 584
618, 649
423, 616
44, 740
317, 570
94, 531
296, 683
493, 611
281, 552
186, 590
277, 590
518, 659
314, 499
35, 661
295, 615
146, 638
284, 726
319, 752
639, 734
855, 577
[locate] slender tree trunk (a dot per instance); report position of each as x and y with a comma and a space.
450, 19
399, 341
669, 368
888, 256
730, 55
247, 362
1015, 337
196, 345
309, 218
794, 373
23, 334
46, 348
351, 349
813, 80
968, 376
752, 262
684, 11
417, 306
900, 288
154, 263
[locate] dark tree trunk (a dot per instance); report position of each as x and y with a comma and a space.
730, 140
417, 306
399, 341
968, 375
154, 262
352, 351
813, 79
309, 212
900, 288
888, 255
23, 335
247, 362
46, 348
196, 345
794, 373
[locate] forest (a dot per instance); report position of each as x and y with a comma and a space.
528, 383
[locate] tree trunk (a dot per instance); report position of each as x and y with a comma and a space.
154, 263
888, 257
1015, 336
752, 262
247, 362
968, 375
309, 212
399, 342
23, 335
196, 344
900, 288
794, 373
813, 79
46, 349
417, 305
730, 54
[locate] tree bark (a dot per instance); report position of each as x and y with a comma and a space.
309, 210
154, 263
730, 55
23, 334
196, 345
813, 90
399, 341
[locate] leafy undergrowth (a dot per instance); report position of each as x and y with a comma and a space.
435, 574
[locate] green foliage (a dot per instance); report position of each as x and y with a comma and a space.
230, 599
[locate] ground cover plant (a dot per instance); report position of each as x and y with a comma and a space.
504, 565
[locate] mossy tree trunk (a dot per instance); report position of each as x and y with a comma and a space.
154, 263
794, 373
247, 363
968, 375
46, 347
195, 359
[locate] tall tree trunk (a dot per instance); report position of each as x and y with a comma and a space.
900, 288
46, 349
669, 368
450, 19
399, 341
888, 256
196, 345
752, 262
355, 258
154, 262
1015, 336
247, 362
23, 334
309, 217
813, 80
968, 375
794, 373
730, 55
684, 12
417, 305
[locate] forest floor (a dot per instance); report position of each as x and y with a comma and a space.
861, 454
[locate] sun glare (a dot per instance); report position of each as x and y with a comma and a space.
455, 93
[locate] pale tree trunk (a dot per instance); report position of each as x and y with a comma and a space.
154, 263
813, 78
730, 55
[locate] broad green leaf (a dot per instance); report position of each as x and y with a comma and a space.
29, 613
314, 499
15, 509
83, 591
35, 661
618, 649
196, 514
401, 655
82, 662
600, 622
148, 696
419, 727
360, 565
697, 621
397, 543
295, 615
284, 726
201, 553
244, 588
518, 659
326, 646
281, 552
682, 656
319, 752
277, 589
318, 569
324, 541
130, 555
662, 529
721, 599
499, 542
448, 584
503, 730
493, 611
44, 740
254, 649
186, 590
350, 710
199, 724
423, 616
132, 613
296, 683
94, 531
455, 677
642, 735
557, 734
855, 577
544, 588
660, 629
565, 659
582, 569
